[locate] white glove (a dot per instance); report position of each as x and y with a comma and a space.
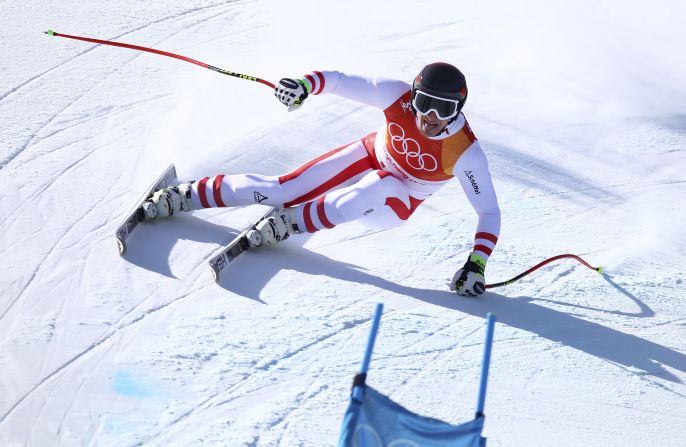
469, 280
291, 92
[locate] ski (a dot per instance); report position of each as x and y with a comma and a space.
136, 215
230, 252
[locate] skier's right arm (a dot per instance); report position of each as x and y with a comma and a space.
376, 92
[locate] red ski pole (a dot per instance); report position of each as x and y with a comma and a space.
163, 53
541, 264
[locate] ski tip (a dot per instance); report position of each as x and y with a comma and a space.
600, 269
121, 246
50, 32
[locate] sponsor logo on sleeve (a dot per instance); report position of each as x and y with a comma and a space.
472, 180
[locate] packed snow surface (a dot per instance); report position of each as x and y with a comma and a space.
579, 107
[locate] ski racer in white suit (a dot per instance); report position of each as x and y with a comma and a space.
380, 179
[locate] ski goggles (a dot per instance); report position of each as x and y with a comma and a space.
425, 103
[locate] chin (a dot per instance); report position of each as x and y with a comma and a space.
430, 134
425, 133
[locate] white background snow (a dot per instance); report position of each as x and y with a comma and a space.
578, 105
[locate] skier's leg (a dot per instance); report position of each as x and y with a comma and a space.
337, 168
378, 199
334, 169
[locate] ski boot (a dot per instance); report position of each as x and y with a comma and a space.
167, 201
274, 228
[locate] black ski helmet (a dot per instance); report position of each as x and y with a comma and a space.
442, 80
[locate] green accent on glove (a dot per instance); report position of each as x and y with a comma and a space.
478, 260
305, 85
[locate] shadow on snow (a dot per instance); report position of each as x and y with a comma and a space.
520, 312
149, 248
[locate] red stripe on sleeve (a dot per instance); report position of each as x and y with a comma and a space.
217, 190
484, 249
322, 82
322, 215
308, 218
488, 236
311, 79
202, 193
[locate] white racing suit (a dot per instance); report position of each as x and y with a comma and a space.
380, 179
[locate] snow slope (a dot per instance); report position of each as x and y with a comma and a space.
579, 107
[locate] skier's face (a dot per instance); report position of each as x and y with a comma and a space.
430, 125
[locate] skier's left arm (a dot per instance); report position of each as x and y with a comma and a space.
472, 172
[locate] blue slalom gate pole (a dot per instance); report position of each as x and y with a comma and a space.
370, 347
485, 363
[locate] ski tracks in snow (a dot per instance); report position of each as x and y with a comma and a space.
288, 362
198, 16
260, 379
101, 341
192, 14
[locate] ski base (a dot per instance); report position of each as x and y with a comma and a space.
230, 252
136, 216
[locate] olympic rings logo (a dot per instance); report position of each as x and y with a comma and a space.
409, 147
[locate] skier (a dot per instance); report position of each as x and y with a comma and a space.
380, 179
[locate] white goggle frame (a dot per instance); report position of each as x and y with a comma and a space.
419, 112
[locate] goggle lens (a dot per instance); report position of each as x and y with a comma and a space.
425, 103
